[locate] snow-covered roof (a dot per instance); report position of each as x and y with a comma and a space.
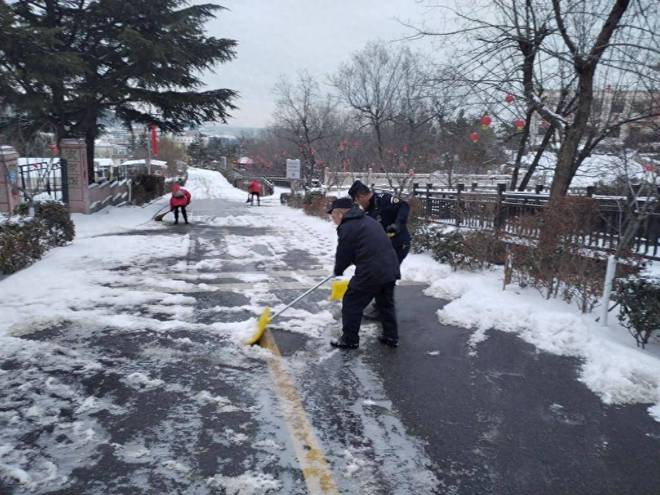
154, 163
104, 162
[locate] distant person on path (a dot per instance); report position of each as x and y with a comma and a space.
363, 243
180, 199
255, 190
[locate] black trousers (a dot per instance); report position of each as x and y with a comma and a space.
353, 304
402, 251
252, 195
176, 214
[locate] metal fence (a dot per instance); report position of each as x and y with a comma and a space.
44, 181
502, 211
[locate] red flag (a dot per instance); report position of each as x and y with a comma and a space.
154, 140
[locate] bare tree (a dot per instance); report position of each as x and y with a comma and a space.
304, 117
538, 50
370, 84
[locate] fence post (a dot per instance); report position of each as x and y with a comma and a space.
459, 204
590, 191
607, 288
74, 153
474, 186
9, 194
64, 181
499, 219
538, 189
428, 199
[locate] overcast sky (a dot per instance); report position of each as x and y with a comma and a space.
277, 37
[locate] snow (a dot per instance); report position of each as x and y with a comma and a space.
605, 168
248, 483
612, 366
208, 184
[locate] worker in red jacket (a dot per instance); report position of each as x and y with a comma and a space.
255, 190
180, 199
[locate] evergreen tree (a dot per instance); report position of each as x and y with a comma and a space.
70, 61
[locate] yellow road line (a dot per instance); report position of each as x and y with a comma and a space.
315, 468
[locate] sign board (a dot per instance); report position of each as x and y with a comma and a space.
293, 169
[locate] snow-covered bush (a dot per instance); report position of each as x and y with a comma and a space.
23, 240
315, 204
462, 251
639, 306
59, 228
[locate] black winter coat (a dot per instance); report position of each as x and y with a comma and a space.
364, 243
391, 210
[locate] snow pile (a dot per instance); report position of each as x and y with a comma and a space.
209, 184
613, 366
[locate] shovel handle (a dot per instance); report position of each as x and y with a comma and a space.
301, 296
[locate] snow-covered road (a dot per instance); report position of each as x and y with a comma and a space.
123, 370
123, 366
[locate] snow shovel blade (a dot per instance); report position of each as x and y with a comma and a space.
262, 324
338, 289
159, 217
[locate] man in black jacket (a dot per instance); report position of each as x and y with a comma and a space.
391, 211
363, 243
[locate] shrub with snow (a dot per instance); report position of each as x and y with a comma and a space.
23, 240
639, 306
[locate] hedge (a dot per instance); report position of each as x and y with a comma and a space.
24, 240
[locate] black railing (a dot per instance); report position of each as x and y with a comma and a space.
502, 210
44, 181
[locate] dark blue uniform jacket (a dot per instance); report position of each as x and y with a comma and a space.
363, 243
390, 210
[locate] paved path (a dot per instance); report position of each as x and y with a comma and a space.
186, 410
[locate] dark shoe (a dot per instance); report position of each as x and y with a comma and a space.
176, 223
342, 344
388, 341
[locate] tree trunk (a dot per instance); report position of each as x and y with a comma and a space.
522, 146
537, 158
90, 138
564, 170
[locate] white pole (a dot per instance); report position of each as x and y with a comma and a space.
607, 288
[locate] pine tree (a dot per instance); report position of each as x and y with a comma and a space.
141, 60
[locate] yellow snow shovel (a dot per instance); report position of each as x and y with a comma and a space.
266, 317
339, 288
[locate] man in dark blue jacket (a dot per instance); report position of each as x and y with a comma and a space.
363, 243
391, 211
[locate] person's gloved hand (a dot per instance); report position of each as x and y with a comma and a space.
393, 229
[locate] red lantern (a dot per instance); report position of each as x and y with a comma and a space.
474, 137
649, 167
509, 98
485, 121
519, 124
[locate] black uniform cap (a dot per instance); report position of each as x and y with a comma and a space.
340, 203
357, 188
